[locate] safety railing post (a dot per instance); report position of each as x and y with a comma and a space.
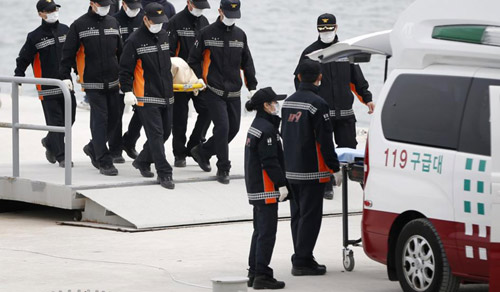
15, 129
67, 135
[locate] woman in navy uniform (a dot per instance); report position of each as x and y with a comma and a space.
266, 185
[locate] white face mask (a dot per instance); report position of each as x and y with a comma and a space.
103, 10
327, 37
229, 21
132, 12
155, 28
276, 111
52, 17
197, 12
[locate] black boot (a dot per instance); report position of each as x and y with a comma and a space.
117, 158
267, 282
314, 269
180, 161
88, 152
251, 278
108, 170
166, 182
202, 161
130, 150
48, 154
145, 170
223, 176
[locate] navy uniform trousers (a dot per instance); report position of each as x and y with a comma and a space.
265, 225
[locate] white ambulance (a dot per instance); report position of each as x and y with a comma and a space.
429, 160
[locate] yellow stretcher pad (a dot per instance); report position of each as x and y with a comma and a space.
187, 87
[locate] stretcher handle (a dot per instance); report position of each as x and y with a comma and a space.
187, 87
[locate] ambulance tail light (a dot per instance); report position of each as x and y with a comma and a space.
474, 34
367, 161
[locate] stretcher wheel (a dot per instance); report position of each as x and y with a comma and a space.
349, 260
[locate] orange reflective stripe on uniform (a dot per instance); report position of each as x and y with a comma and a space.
139, 81
80, 63
268, 183
321, 164
271, 201
37, 72
353, 89
206, 64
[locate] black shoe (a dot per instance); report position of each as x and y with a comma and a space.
145, 170
223, 176
251, 278
48, 154
118, 158
180, 161
202, 161
130, 150
109, 170
312, 270
63, 164
167, 182
267, 282
328, 195
86, 150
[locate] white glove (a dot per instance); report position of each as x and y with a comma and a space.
197, 91
283, 193
130, 98
337, 178
251, 93
68, 83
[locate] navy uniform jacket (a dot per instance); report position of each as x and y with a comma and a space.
307, 137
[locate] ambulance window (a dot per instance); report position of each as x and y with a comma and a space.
425, 110
475, 136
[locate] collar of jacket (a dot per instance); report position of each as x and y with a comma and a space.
49, 26
96, 16
309, 87
221, 25
275, 120
145, 30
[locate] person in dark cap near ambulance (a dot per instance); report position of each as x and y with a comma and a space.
266, 184
43, 49
182, 29
307, 130
219, 54
130, 18
94, 43
340, 80
146, 80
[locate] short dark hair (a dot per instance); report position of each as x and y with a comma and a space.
309, 70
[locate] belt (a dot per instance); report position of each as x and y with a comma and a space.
101, 86
155, 100
49, 92
222, 93
341, 113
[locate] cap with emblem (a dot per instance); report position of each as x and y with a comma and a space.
326, 22
133, 4
231, 8
155, 13
201, 4
102, 2
46, 5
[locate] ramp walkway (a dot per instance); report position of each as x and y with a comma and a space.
128, 201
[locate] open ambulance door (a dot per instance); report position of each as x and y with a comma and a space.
494, 251
358, 49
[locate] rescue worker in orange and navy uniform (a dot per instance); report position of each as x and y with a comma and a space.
340, 80
265, 183
145, 69
183, 29
43, 50
220, 53
307, 131
94, 42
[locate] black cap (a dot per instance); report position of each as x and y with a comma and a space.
201, 4
46, 5
326, 22
156, 13
103, 2
266, 95
309, 67
133, 4
231, 8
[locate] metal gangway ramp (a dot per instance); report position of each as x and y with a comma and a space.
128, 201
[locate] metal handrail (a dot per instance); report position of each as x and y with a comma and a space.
16, 126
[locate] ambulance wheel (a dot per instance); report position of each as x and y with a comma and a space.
421, 263
349, 261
